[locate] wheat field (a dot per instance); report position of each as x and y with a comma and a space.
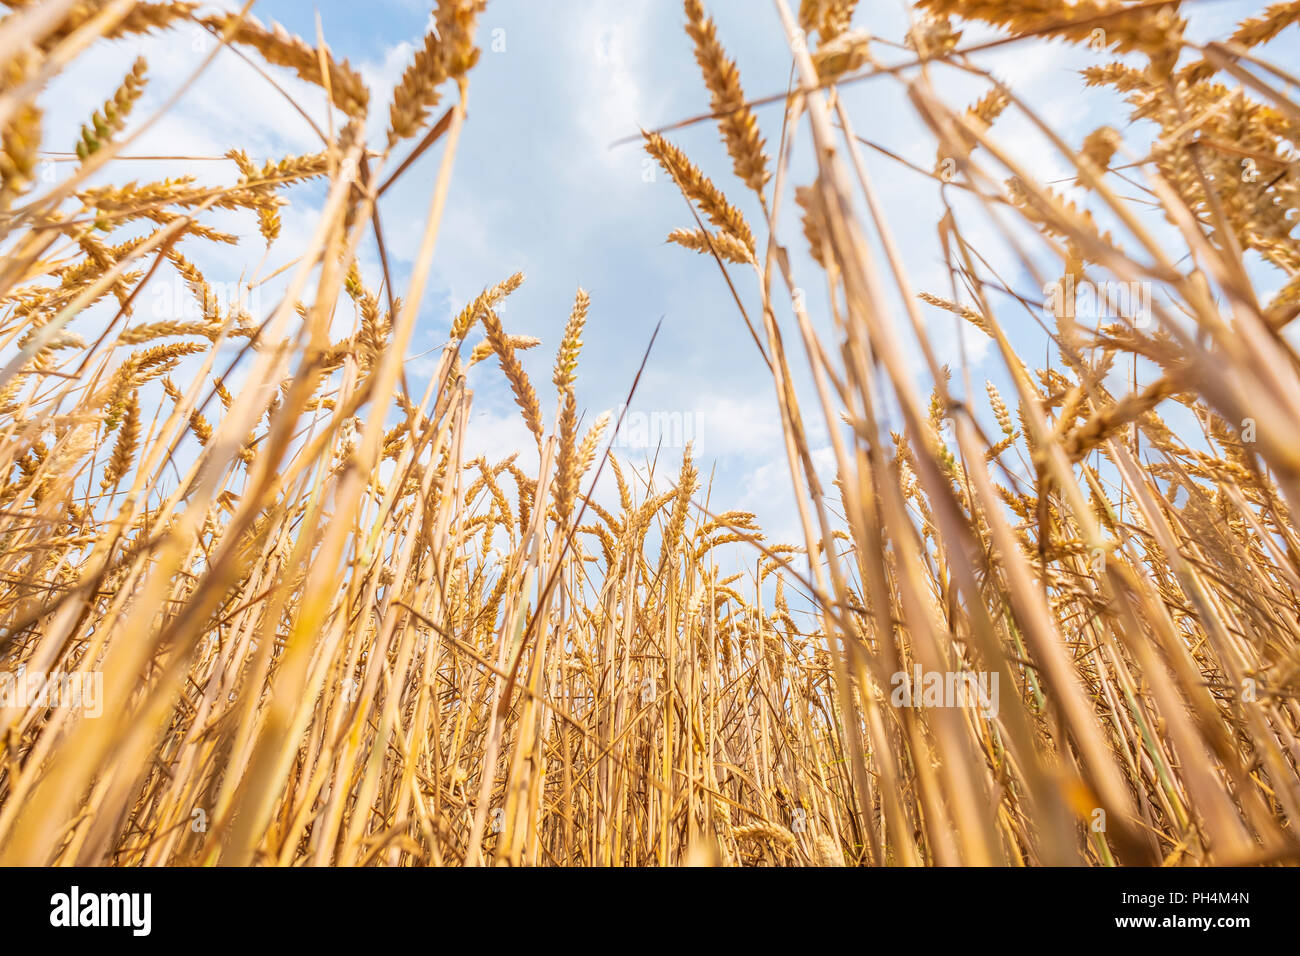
317, 632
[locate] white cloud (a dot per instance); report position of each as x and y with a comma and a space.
606, 56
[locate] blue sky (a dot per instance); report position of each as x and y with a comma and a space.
538, 188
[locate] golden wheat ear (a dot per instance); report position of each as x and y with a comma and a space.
736, 118
473, 312
698, 188
448, 53
280, 47
525, 395
109, 120
568, 468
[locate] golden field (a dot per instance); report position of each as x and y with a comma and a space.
322, 634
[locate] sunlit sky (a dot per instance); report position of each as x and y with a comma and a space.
538, 187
